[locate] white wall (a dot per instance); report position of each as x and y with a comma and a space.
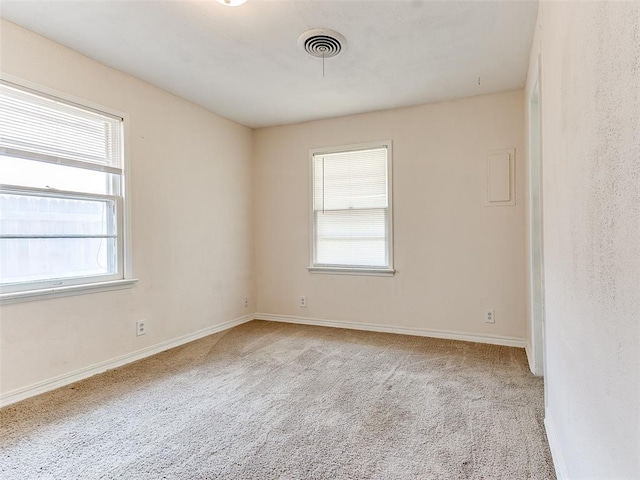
454, 257
590, 102
191, 208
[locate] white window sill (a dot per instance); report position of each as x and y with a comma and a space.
67, 291
375, 272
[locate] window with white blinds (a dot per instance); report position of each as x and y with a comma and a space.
351, 209
61, 193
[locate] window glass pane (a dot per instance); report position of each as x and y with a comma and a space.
352, 223
31, 173
351, 252
46, 238
31, 215
29, 260
352, 238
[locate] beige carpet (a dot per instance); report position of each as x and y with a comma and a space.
267, 400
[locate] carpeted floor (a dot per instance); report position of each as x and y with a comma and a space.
278, 401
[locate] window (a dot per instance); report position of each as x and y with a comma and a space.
351, 210
61, 194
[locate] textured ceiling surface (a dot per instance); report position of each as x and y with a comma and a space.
244, 62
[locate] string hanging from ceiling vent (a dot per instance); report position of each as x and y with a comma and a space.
322, 43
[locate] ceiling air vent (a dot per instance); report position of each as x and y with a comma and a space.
322, 42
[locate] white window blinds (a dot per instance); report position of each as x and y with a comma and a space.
351, 209
41, 128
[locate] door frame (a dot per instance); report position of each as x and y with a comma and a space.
535, 215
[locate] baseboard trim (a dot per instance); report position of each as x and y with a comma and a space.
77, 375
554, 445
371, 327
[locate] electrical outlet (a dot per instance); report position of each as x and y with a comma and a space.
303, 302
141, 327
490, 316
246, 302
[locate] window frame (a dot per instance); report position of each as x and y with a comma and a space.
38, 290
389, 269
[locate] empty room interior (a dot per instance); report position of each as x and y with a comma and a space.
305, 239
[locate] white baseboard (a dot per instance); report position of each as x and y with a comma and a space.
421, 332
72, 377
77, 375
554, 445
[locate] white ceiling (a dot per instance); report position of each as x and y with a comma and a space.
244, 63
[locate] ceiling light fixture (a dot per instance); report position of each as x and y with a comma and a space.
232, 3
322, 43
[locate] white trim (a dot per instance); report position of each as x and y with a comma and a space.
86, 372
72, 377
375, 272
65, 291
125, 193
420, 332
535, 240
554, 445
